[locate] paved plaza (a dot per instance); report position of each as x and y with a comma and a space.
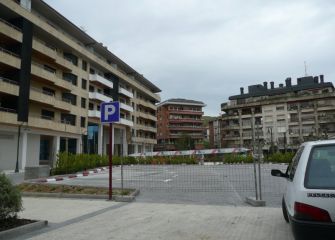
99, 219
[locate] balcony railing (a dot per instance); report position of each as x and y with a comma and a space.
100, 79
126, 92
10, 25
9, 52
100, 96
3, 79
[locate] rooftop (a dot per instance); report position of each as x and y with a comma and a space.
182, 101
303, 83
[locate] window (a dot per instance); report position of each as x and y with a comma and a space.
83, 122
320, 173
84, 65
83, 102
91, 89
70, 98
280, 108
83, 83
48, 91
70, 78
46, 114
91, 106
71, 58
49, 69
68, 119
294, 164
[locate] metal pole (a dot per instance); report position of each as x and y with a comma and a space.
110, 159
259, 165
254, 162
18, 149
122, 161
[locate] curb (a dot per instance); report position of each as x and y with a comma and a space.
253, 202
117, 198
71, 176
18, 231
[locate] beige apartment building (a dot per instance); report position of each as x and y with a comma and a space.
60, 75
281, 117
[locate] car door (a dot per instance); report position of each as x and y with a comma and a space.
291, 187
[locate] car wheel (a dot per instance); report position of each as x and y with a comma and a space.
283, 205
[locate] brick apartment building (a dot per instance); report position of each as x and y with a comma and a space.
282, 116
179, 118
56, 76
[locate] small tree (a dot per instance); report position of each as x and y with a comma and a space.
10, 199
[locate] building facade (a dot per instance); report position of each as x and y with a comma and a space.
56, 76
179, 119
215, 140
280, 117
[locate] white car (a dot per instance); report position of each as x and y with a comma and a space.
309, 201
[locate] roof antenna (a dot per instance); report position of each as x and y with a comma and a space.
305, 68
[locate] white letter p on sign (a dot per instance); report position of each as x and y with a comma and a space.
109, 110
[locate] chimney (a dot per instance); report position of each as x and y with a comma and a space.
265, 84
288, 82
316, 79
272, 85
242, 90
321, 79
281, 85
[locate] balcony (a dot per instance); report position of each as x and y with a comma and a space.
193, 135
10, 58
184, 120
126, 122
144, 140
126, 92
9, 86
10, 30
9, 116
42, 48
190, 112
147, 104
147, 116
126, 107
146, 128
94, 114
100, 80
100, 97
39, 71
187, 128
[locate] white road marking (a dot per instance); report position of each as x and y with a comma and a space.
167, 180
175, 176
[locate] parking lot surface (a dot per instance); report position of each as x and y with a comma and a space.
99, 219
195, 184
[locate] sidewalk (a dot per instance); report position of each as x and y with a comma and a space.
99, 219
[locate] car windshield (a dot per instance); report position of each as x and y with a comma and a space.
321, 168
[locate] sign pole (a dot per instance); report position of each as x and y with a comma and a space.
110, 159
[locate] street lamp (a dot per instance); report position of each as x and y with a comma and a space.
271, 139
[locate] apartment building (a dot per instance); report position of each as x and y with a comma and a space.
179, 118
53, 78
280, 117
215, 133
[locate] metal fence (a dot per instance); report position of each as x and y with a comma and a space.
211, 178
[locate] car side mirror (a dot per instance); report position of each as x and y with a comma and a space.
278, 173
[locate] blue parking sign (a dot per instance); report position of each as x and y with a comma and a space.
110, 112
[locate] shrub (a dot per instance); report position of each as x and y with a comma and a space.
10, 199
237, 158
279, 157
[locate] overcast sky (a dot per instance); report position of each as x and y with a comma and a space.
207, 49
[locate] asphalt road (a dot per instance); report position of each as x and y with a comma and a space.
196, 184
